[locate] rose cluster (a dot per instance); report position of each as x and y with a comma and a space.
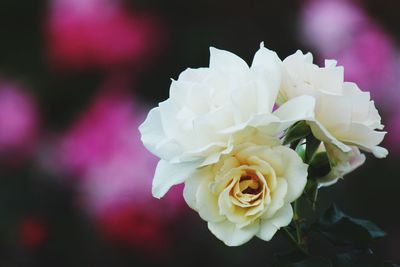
246, 140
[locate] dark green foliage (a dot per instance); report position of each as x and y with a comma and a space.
342, 229
297, 132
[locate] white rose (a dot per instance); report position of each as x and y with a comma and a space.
345, 116
248, 192
210, 110
342, 163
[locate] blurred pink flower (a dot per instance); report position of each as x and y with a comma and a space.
341, 30
329, 25
100, 134
370, 60
104, 149
99, 34
19, 121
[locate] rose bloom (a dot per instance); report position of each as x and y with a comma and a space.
210, 110
85, 34
342, 163
247, 192
341, 29
345, 116
19, 120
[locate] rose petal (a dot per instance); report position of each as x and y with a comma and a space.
168, 175
232, 235
281, 218
153, 136
295, 172
227, 62
191, 186
267, 69
321, 133
277, 198
363, 137
296, 109
206, 201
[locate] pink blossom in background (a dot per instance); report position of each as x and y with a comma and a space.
99, 34
99, 134
103, 149
341, 29
19, 122
328, 25
370, 61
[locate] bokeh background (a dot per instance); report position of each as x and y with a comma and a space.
77, 77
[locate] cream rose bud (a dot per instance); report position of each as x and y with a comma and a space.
209, 110
247, 192
342, 163
345, 116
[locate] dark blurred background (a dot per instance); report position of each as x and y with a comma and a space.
77, 77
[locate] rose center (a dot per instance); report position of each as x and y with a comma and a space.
249, 184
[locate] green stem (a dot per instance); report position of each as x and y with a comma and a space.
289, 234
300, 240
296, 219
315, 197
294, 241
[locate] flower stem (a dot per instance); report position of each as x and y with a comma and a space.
296, 219
299, 238
315, 197
294, 241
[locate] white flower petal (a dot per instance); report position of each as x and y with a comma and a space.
341, 163
207, 202
281, 218
344, 115
296, 109
363, 137
232, 235
321, 133
168, 175
227, 62
334, 110
379, 152
192, 185
329, 79
278, 198
193, 76
267, 68
295, 172
153, 136
170, 113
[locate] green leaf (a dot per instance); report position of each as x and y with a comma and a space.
342, 229
319, 165
356, 258
301, 152
296, 132
312, 145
